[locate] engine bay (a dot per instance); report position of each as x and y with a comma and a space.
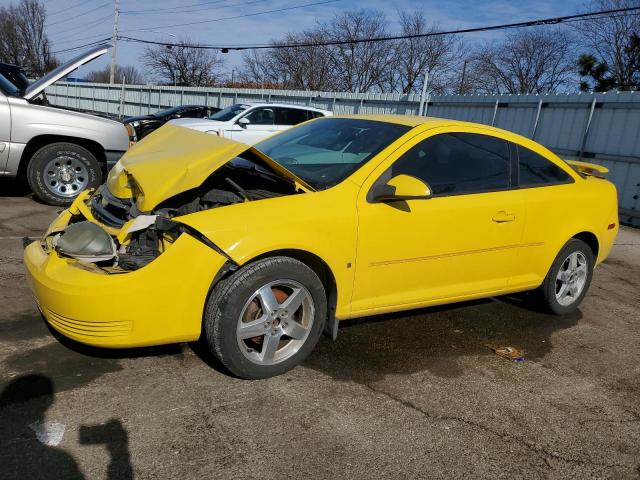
244, 179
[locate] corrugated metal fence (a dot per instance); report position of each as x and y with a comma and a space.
602, 128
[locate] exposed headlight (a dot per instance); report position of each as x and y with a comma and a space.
85, 241
131, 131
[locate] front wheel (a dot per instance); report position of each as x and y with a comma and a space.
266, 318
58, 172
569, 278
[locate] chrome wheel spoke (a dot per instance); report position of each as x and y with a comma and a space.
294, 330
269, 347
268, 300
255, 328
563, 290
293, 302
573, 261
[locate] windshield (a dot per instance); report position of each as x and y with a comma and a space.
228, 113
8, 88
326, 151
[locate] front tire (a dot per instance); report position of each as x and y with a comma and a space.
569, 278
58, 172
266, 318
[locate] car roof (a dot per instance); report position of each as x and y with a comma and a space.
408, 120
284, 105
428, 122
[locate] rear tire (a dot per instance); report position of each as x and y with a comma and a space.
58, 172
569, 278
266, 318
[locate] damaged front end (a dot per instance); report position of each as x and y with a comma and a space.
135, 217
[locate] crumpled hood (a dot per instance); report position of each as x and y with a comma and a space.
174, 159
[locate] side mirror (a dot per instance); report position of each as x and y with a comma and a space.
401, 188
243, 122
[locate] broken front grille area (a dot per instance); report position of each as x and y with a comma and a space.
110, 210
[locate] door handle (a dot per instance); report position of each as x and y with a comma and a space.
503, 217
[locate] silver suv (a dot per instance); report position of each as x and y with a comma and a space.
61, 152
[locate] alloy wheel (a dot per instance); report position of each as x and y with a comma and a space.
275, 322
571, 278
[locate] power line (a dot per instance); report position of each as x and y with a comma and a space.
232, 18
92, 44
79, 15
97, 35
181, 8
530, 23
67, 9
81, 28
161, 11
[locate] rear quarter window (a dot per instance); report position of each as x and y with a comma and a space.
536, 170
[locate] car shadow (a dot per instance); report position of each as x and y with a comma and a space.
71, 364
14, 187
436, 339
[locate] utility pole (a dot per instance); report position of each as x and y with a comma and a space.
423, 96
114, 42
462, 87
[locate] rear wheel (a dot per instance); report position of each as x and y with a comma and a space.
569, 278
266, 318
58, 172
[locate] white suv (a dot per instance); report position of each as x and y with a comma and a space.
252, 122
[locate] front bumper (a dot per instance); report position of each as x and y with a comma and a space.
160, 303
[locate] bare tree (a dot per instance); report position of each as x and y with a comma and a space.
613, 61
528, 61
22, 37
358, 67
437, 55
130, 74
11, 50
309, 67
185, 65
304, 67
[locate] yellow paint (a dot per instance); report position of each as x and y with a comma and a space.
172, 160
384, 257
588, 168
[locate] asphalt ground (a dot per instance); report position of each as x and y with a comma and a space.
411, 395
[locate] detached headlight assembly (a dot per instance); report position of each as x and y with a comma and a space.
85, 241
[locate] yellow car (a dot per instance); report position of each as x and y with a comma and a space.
261, 249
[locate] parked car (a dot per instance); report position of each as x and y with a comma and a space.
259, 249
61, 152
252, 122
15, 75
143, 125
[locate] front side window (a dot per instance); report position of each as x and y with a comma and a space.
261, 116
535, 170
8, 88
326, 151
457, 163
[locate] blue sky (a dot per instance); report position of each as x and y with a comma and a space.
94, 20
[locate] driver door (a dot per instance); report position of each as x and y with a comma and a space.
460, 243
261, 125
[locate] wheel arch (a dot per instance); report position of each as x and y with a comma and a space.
39, 141
590, 239
320, 268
